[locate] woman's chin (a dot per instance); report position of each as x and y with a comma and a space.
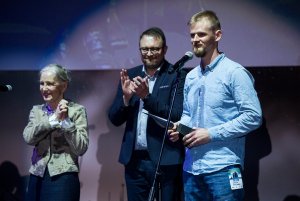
47, 100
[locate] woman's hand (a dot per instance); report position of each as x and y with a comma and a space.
62, 110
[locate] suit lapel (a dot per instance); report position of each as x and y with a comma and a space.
160, 79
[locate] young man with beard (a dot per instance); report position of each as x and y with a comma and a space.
221, 105
149, 88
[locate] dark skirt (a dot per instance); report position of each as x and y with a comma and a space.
63, 187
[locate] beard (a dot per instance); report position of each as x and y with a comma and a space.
153, 64
199, 51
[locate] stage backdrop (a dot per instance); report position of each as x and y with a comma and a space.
104, 34
272, 155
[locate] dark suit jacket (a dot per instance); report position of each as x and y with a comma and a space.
158, 103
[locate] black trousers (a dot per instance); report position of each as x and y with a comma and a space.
139, 176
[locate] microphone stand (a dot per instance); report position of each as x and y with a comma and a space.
157, 173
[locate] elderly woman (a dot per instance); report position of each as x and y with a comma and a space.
58, 131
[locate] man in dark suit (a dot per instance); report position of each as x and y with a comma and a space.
149, 88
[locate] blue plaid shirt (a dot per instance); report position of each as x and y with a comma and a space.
223, 100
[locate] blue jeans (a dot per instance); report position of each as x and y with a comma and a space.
210, 187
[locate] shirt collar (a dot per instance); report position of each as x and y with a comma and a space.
155, 74
214, 63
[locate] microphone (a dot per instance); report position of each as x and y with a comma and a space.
187, 56
4, 88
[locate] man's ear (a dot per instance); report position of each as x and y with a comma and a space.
218, 35
165, 49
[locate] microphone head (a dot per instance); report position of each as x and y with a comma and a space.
179, 64
189, 54
4, 88
9, 87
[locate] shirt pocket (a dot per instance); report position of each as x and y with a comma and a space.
164, 89
163, 92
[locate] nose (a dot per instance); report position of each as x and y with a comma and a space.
149, 52
195, 37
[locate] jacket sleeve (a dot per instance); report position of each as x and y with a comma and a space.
37, 128
77, 135
118, 112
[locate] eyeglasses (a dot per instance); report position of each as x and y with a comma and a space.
153, 50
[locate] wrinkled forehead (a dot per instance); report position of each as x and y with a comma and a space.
48, 75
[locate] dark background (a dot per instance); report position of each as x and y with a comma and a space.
34, 33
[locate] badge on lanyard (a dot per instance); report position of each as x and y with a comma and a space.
235, 178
